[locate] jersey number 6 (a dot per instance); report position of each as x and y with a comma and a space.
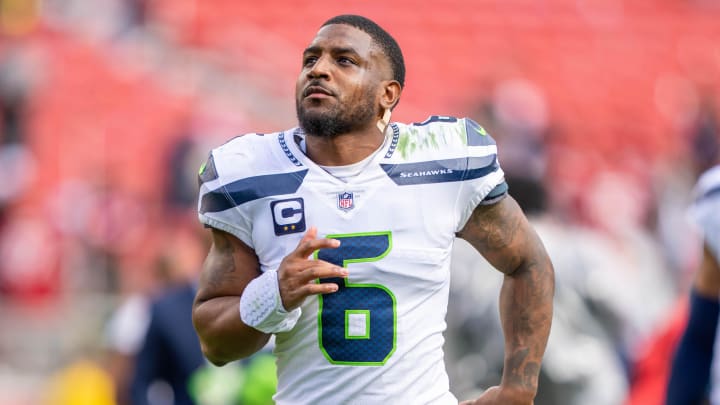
357, 323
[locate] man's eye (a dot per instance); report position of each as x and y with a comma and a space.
345, 61
309, 60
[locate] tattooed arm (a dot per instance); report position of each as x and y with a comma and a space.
228, 268
502, 234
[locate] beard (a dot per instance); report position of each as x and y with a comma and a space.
336, 120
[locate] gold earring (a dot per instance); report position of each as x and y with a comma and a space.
384, 121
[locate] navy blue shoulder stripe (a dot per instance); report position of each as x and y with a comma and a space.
250, 189
499, 191
441, 171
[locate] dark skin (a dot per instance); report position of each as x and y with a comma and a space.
345, 62
502, 234
342, 68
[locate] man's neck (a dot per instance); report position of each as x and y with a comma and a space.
345, 149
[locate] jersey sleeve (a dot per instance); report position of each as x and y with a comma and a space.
216, 206
484, 180
705, 211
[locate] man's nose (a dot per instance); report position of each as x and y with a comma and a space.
320, 69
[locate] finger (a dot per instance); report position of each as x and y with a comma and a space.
323, 269
309, 244
303, 271
309, 235
319, 288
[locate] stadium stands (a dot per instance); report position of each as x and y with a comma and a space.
623, 83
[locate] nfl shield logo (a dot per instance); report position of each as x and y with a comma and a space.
345, 201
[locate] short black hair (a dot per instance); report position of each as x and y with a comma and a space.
389, 46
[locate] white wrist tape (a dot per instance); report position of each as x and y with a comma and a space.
261, 306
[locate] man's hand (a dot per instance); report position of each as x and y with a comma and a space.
501, 396
298, 272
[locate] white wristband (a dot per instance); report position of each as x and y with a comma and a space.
261, 306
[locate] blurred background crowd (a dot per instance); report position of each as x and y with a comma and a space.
605, 111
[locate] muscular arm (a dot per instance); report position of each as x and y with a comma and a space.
502, 234
228, 268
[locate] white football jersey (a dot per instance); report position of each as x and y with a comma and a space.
378, 339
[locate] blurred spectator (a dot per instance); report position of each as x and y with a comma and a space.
159, 340
627, 260
582, 364
705, 136
602, 259
170, 357
169, 367
170, 351
23, 274
684, 247
29, 259
125, 333
182, 163
99, 20
14, 87
107, 235
517, 115
19, 73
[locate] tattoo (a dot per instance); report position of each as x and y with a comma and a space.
527, 305
501, 233
220, 262
521, 321
229, 267
495, 230
522, 371
527, 337
514, 364
531, 373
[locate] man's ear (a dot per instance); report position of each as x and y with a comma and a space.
391, 94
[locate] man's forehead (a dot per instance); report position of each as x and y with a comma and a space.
343, 36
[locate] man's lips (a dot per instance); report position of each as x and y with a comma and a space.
316, 91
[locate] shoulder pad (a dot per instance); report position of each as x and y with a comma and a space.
441, 135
